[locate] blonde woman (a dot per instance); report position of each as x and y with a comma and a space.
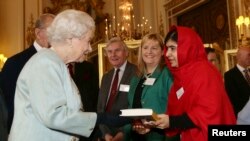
149, 89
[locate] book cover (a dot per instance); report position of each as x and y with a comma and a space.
139, 113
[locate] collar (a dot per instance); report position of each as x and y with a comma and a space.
240, 68
122, 68
37, 46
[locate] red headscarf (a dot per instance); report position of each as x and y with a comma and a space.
198, 88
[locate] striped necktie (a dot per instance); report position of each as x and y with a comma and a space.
246, 72
113, 91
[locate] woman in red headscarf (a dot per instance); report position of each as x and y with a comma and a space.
197, 98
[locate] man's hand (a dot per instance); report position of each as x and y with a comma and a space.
139, 127
161, 123
108, 137
118, 137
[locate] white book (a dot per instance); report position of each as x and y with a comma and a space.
139, 113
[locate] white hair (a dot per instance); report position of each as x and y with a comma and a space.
70, 24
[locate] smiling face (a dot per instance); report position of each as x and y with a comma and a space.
117, 54
81, 47
171, 53
151, 53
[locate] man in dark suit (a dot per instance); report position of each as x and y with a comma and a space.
14, 64
85, 76
236, 84
117, 53
3, 118
86, 79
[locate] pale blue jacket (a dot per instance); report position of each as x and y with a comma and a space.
47, 103
244, 114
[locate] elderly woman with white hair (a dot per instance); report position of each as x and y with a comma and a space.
47, 101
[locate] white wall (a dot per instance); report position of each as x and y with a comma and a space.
15, 16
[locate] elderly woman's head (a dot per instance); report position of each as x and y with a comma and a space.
70, 35
70, 24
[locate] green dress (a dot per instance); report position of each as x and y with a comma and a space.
154, 96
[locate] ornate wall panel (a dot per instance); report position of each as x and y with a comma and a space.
209, 20
225, 14
32, 10
233, 13
92, 7
173, 8
214, 21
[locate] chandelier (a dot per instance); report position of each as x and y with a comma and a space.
243, 29
126, 28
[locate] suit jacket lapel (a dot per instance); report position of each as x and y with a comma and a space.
125, 74
238, 74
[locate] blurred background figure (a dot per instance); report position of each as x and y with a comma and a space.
236, 79
14, 64
115, 86
212, 57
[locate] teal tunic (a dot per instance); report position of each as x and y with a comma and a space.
153, 96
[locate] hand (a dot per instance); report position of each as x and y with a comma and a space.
108, 137
162, 122
149, 123
118, 137
139, 127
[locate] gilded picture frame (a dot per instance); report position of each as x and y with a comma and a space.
230, 58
